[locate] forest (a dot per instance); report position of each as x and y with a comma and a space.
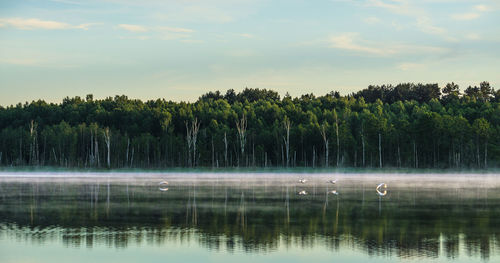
407, 125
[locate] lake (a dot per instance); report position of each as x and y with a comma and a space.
249, 217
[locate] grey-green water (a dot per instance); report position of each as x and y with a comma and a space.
248, 218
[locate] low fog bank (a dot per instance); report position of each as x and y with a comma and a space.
428, 180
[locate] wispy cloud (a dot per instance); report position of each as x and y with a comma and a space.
34, 23
246, 35
241, 53
347, 41
406, 66
352, 42
19, 61
161, 32
401, 7
474, 14
139, 28
483, 8
175, 29
67, 2
472, 36
371, 20
425, 25
411, 9
133, 28
465, 16
135, 37
173, 36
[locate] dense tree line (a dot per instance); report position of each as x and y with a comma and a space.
407, 125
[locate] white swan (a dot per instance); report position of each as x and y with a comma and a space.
303, 192
302, 180
381, 185
334, 192
163, 186
333, 181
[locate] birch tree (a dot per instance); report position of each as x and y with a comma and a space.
33, 143
324, 135
241, 127
191, 138
107, 141
286, 139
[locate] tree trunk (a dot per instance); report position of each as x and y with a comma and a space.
107, 140
213, 156
314, 157
188, 141
286, 140
485, 154
325, 141
363, 144
380, 149
399, 156
477, 153
91, 152
195, 129
253, 152
225, 150
282, 156
338, 139
132, 157
356, 157
126, 155
415, 154
241, 127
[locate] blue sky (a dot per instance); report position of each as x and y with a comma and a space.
181, 49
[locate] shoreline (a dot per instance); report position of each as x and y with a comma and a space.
190, 174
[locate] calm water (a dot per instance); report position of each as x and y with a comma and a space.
248, 218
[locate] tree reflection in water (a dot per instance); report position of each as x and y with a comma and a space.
257, 216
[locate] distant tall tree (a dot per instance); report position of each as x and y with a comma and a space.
473, 92
336, 117
324, 135
241, 127
33, 143
191, 137
451, 92
485, 91
107, 140
286, 139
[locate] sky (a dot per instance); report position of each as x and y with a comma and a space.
179, 50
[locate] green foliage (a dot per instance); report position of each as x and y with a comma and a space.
408, 125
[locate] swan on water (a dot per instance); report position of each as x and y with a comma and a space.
379, 187
334, 192
163, 186
333, 181
303, 192
302, 180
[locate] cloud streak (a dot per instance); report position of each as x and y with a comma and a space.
352, 42
425, 25
472, 15
465, 16
132, 28
347, 42
161, 32
139, 28
34, 23
175, 29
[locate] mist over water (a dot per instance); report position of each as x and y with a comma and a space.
227, 217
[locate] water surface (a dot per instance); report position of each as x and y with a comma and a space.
248, 218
